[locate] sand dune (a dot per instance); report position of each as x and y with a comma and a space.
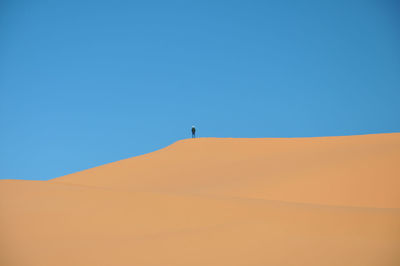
303, 201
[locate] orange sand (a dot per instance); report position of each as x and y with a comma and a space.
303, 201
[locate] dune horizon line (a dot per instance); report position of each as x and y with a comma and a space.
204, 138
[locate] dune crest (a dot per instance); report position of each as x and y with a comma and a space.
347, 171
210, 201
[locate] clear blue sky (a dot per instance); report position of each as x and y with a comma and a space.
84, 83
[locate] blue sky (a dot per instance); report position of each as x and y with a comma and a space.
84, 83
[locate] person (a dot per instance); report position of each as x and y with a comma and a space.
193, 132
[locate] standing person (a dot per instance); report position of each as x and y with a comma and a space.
193, 132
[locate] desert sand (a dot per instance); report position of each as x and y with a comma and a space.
215, 201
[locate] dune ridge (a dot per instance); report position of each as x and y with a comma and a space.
210, 201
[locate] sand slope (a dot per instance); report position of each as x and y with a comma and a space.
305, 201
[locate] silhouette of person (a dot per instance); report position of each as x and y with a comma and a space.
193, 132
